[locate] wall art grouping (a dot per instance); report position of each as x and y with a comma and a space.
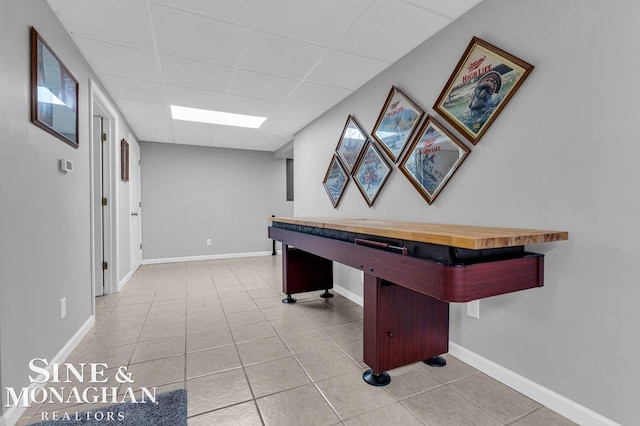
482, 83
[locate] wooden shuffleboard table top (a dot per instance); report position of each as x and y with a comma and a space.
462, 236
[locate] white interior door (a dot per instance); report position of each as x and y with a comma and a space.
96, 140
104, 193
135, 204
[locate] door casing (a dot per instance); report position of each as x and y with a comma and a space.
135, 200
100, 106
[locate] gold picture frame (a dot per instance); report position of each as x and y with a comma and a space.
398, 119
432, 158
480, 86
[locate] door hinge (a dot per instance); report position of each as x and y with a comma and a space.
103, 137
105, 266
104, 201
140, 246
140, 204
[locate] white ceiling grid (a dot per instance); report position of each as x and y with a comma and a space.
287, 60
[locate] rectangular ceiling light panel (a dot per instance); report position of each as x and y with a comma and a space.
216, 117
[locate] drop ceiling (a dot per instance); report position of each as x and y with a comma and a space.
287, 60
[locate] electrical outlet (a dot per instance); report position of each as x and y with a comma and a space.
63, 307
473, 309
208, 241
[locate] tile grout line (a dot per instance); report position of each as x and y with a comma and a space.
244, 371
473, 402
309, 376
510, 422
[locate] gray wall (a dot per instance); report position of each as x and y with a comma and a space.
190, 194
44, 214
562, 155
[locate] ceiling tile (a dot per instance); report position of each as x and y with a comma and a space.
251, 106
131, 63
316, 21
450, 8
263, 142
151, 129
95, 20
129, 106
225, 143
194, 98
354, 70
232, 137
272, 54
196, 74
194, 142
190, 133
280, 127
316, 95
127, 88
413, 26
193, 36
154, 135
236, 11
298, 113
255, 85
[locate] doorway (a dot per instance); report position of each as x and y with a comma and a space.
104, 195
98, 207
135, 203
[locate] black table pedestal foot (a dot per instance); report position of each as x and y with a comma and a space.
326, 294
379, 379
289, 299
436, 361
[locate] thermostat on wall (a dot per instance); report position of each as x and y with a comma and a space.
66, 165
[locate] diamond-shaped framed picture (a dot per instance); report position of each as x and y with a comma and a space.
371, 172
399, 117
432, 158
351, 142
480, 86
335, 180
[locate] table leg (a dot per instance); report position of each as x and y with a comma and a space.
326, 294
436, 361
303, 271
401, 327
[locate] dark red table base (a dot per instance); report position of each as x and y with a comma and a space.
303, 271
406, 299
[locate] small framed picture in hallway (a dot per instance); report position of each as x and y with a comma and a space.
124, 160
54, 93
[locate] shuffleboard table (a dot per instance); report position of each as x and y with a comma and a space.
412, 271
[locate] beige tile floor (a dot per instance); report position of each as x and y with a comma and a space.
219, 329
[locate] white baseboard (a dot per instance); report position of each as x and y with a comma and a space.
124, 281
556, 402
355, 298
13, 414
207, 257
